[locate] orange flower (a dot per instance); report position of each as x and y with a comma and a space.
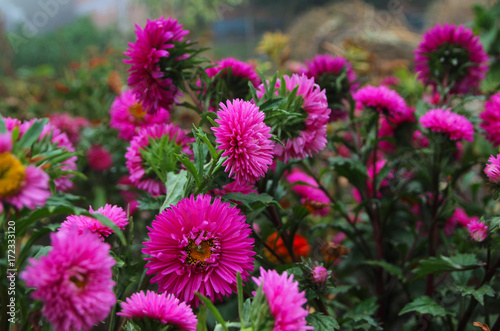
484, 327
300, 248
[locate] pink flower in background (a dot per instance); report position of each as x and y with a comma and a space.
235, 187
313, 198
128, 194
284, 299
490, 118
146, 79
387, 127
419, 140
492, 170
70, 125
128, 116
136, 163
161, 307
84, 224
381, 99
477, 230
99, 158
458, 217
455, 126
245, 140
74, 281
199, 246
390, 81
450, 53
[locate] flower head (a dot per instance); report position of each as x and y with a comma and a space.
74, 281
245, 140
491, 119
492, 170
128, 115
334, 74
301, 248
450, 54
69, 125
163, 139
284, 299
455, 126
319, 274
477, 230
313, 198
382, 99
85, 223
156, 41
161, 307
99, 158
199, 246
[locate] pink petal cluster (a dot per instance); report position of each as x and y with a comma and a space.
129, 117
235, 187
99, 158
83, 224
134, 158
284, 299
455, 126
459, 36
478, 230
492, 169
199, 246
458, 217
382, 99
238, 69
146, 79
74, 281
70, 125
311, 193
245, 140
387, 127
319, 274
161, 307
491, 119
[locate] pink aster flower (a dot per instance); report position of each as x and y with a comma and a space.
74, 281
382, 99
70, 125
477, 230
492, 170
245, 140
199, 246
99, 158
326, 70
388, 126
129, 117
460, 217
455, 126
235, 187
319, 274
136, 164
313, 198
311, 138
491, 119
146, 78
284, 299
161, 307
451, 54
84, 224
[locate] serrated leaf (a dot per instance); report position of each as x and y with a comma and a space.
250, 199
175, 188
435, 265
424, 305
477, 294
322, 322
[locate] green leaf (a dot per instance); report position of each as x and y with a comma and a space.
3, 127
200, 151
203, 136
390, 268
202, 319
109, 223
131, 326
260, 314
249, 200
477, 294
435, 265
190, 168
240, 298
322, 322
424, 305
175, 188
210, 306
32, 134
354, 171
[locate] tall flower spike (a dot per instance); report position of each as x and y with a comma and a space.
245, 140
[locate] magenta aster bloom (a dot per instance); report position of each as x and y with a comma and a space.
313, 198
491, 119
70, 125
382, 99
284, 299
477, 230
161, 307
388, 127
235, 187
451, 54
199, 246
319, 274
146, 78
74, 281
492, 170
302, 139
140, 173
83, 223
128, 116
99, 158
335, 75
455, 126
245, 140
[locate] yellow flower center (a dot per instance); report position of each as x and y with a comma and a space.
199, 252
137, 111
79, 280
11, 174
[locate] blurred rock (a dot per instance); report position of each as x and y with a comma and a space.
452, 11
